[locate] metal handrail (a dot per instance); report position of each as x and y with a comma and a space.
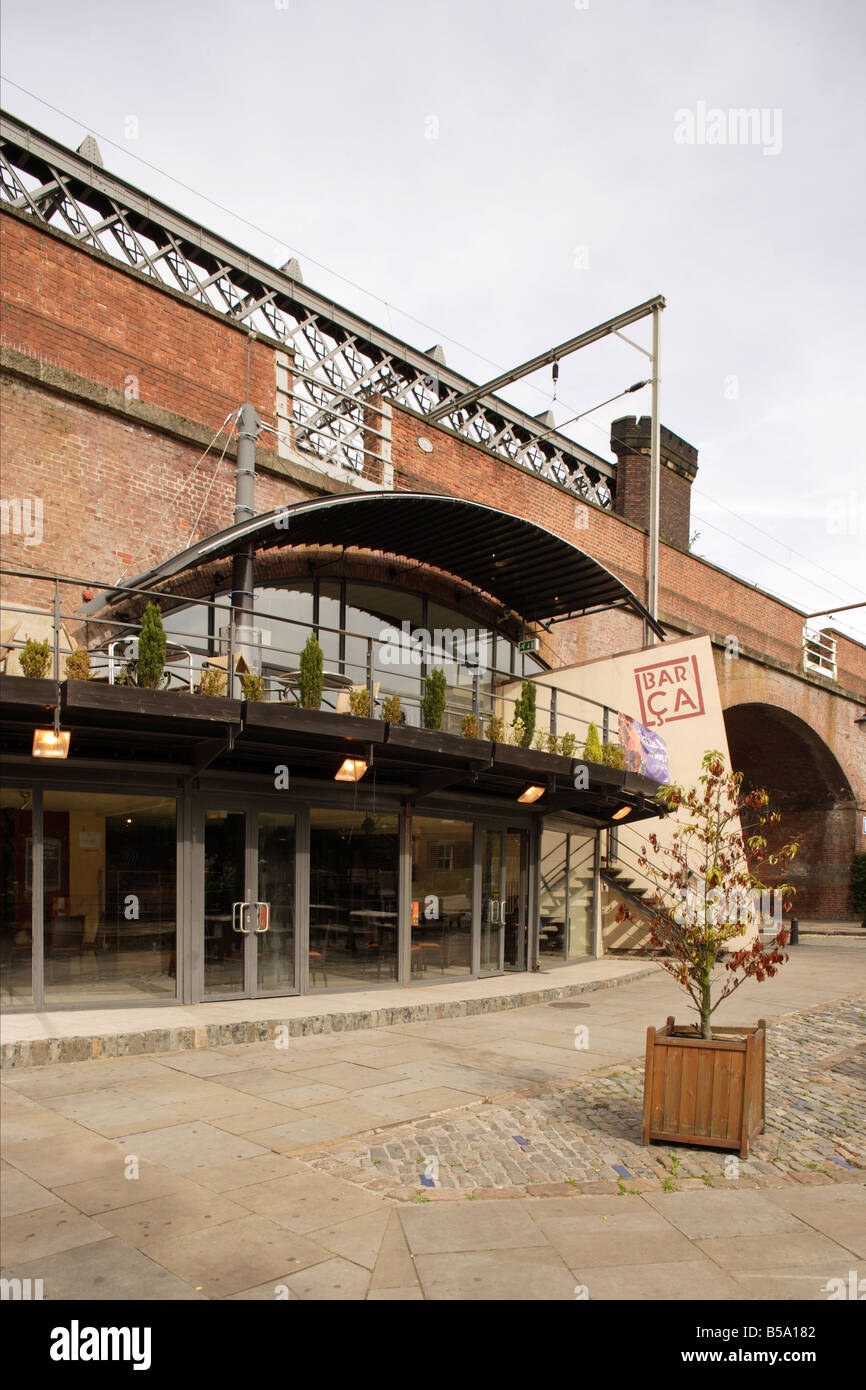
480, 702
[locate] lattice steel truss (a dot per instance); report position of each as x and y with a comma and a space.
339, 361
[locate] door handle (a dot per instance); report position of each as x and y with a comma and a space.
239, 917
263, 917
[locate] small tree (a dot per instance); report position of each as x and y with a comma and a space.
252, 686
35, 658
359, 702
151, 648
592, 748
612, 755
568, 745
391, 711
433, 703
704, 892
495, 729
78, 665
311, 673
524, 709
469, 726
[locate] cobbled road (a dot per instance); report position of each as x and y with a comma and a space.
583, 1135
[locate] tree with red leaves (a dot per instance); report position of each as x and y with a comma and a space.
704, 894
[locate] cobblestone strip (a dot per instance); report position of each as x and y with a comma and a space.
584, 1135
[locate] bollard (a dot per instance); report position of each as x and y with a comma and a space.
795, 932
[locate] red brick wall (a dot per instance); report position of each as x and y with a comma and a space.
82, 312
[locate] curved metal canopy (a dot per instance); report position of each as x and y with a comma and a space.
538, 575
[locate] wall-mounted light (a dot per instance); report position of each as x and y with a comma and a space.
350, 770
623, 811
51, 743
531, 794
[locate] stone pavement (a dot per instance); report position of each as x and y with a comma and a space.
215, 1174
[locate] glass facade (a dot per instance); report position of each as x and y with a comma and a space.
16, 857
97, 875
566, 875
109, 897
442, 878
354, 873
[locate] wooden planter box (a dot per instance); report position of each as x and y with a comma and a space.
708, 1092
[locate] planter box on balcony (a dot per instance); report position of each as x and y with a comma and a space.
512, 759
321, 726
705, 1091
91, 700
29, 698
437, 743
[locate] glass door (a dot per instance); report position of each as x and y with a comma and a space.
246, 902
516, 898
491, 923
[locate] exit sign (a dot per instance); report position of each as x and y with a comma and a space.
530, 645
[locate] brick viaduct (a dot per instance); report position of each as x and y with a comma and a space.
114, 385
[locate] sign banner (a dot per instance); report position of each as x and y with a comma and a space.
645, 750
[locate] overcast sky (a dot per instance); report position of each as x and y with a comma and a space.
498, 175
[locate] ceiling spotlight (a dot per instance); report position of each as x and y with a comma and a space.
350, 770
531, 794
51, 743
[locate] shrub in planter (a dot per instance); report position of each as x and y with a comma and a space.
211, 681
592, 748
568, 743
311, 673
552, 743
540, 741
35, 658
359, 703
705, 1085
518, 732
252, 686
150, 663
524, 710
433, 703
612, 755
469, 726
391, 711
78, 665
495, 729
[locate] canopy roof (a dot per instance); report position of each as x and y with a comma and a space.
538, 575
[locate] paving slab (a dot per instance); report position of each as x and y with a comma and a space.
684, 1280
73, 1156
705, 1214
244, 1172
47, 1231
486, 1226
236, 1255
170, 1214
19, 1193
359, 1239
110, 1271
515, 1274
183, 1147
769, 1251
126, 1187
307, 1201
395, 1268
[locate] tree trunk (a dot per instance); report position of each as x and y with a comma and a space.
706, 1007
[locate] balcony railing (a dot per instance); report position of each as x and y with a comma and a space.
819, 652
481, 700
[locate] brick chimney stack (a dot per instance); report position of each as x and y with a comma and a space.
630, 441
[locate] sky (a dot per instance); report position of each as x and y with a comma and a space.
497, 176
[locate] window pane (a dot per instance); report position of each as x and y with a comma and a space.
16, 877
580, 881
441, 897
554, 890
354, 860
109, 883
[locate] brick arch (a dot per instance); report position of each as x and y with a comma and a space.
776, 749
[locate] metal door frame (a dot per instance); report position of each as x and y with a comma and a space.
250, 808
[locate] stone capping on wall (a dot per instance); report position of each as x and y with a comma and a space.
42, 1052
49, 376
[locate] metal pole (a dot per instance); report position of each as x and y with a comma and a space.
242, 566
652, 601
56, 630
